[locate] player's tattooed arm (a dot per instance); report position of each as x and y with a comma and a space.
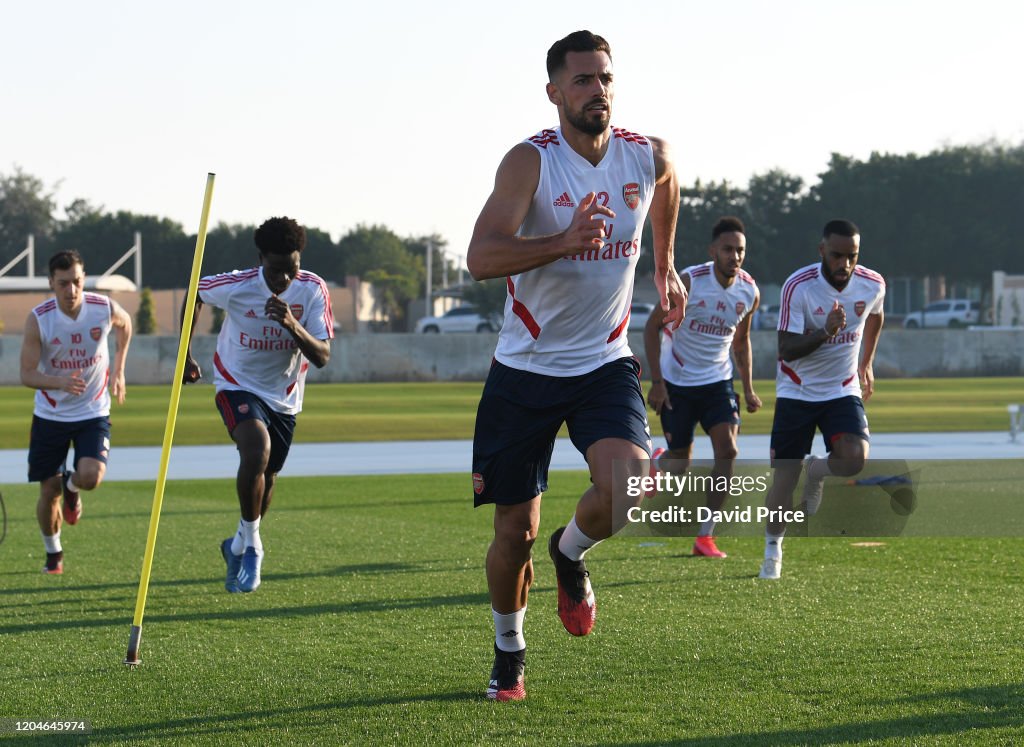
793, 345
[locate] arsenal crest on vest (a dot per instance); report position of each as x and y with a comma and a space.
631, 195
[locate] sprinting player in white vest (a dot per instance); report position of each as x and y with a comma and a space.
830, 319
692, 372
277, 320
64, 357
563, 226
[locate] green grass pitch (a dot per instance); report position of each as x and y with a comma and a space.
414, 412
373, 627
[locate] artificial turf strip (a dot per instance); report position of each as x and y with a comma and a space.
373, 627
443, 410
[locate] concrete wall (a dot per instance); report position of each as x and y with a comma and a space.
409, 357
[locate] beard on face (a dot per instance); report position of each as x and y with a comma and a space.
584, 121
725, 267
832, 279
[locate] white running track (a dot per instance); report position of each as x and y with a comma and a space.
424, 457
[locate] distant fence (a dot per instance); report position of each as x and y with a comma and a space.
466, 357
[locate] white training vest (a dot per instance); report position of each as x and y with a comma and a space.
69, 345
698, 352
256, 354
569, 317
830, 371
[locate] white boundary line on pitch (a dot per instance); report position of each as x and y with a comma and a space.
432, 457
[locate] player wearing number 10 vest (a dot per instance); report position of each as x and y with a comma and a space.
64, 357
691, 369
563, 227
278, 320
830, 320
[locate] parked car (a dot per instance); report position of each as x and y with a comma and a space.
766, 317
950, 313
638, 313
460, 319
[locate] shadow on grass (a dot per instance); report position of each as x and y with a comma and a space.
992, 707
83, 590
221, 510
342, 570
354, 607
369, 605
247, 725
243, 725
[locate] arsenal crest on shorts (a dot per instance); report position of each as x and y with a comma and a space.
96, 333
478, 483
859, 307
631, 194
297, 310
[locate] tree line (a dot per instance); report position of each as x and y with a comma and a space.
395, 265
949, 212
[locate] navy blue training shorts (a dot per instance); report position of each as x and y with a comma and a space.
520, 414
795, 422
51, 439
236, 406
707, 404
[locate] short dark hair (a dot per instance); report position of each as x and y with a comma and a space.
280, 236
65, 260
577, 41
727, 224
840, 228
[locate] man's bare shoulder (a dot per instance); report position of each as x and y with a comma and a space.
519, 173
522, 160
31, 324
663, 160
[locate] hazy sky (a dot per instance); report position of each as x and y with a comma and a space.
339, 113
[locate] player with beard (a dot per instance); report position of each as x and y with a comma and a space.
691, 375
830, 320
64, 357
563, 226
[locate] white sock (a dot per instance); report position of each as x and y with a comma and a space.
71, 484
773, 545
237, 542
707, 528
574, 543
251, 534
508, 630
52, 542
819, 469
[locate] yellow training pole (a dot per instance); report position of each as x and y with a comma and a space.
132, 659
